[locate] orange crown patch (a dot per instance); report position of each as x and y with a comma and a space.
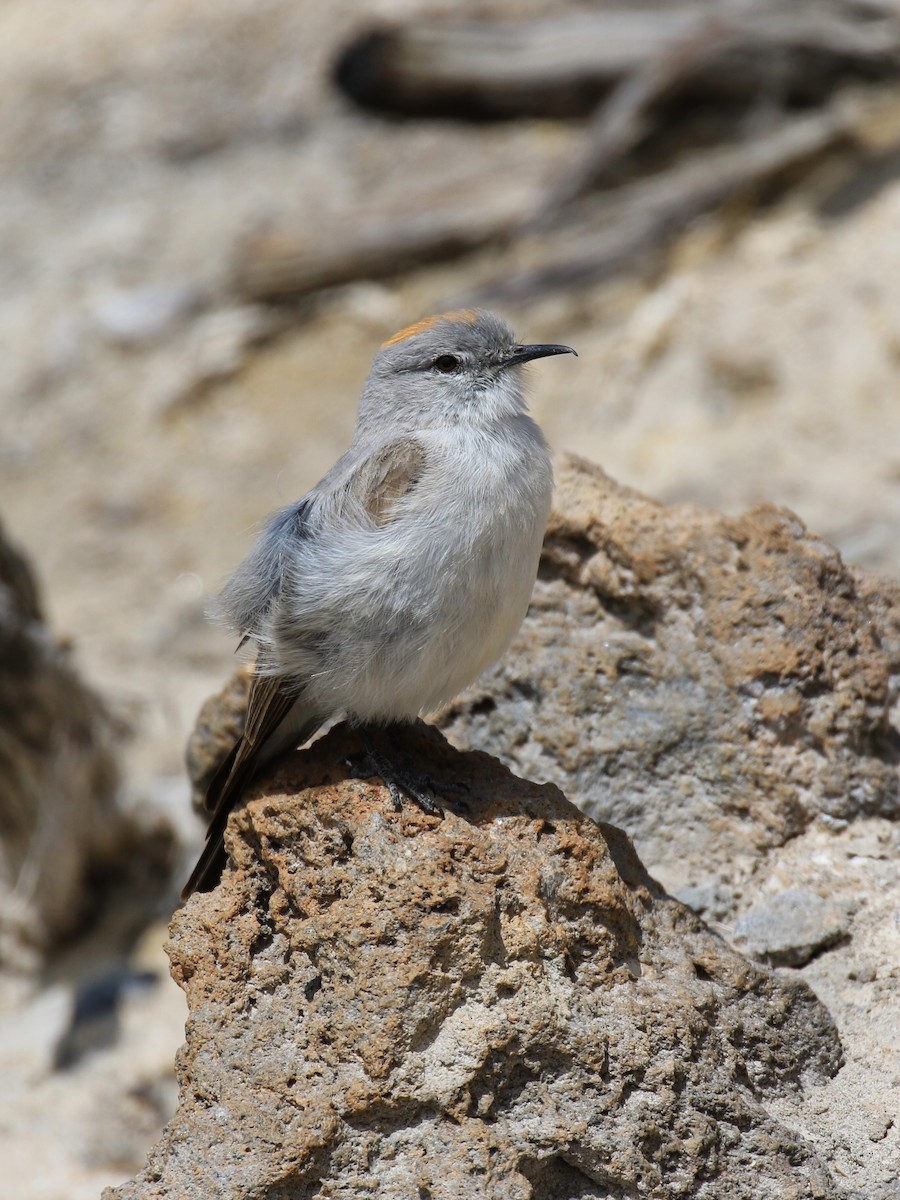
464, 314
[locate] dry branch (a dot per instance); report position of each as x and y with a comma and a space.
554, 67
286, 262
563, 65
684, 84
630, 223
780, 44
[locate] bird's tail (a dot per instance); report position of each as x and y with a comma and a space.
225, 788
277, 720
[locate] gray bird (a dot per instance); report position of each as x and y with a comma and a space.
407, 570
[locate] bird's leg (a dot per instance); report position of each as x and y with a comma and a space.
445, 785
398, 780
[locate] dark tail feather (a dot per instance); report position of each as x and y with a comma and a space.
225, 789
211, 863
264, 737
218, 782
268, 704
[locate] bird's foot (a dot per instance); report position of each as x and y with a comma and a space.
399, 781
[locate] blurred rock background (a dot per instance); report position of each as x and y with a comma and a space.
210, 216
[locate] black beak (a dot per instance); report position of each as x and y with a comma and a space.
524, 354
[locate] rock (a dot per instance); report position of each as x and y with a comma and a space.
706, 898
879, 1125
882, 598
710, 683
63, 832
790, 928
499, 1003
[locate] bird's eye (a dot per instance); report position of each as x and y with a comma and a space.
446, 363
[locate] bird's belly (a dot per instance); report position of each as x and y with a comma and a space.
478, 630
394, 622
407, 659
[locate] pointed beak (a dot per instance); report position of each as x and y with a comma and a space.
524, 354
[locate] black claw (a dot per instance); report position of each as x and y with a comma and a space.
423, 800
396, 797
400, 782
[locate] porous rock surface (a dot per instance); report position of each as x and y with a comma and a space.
710, 683
500, 1003
58, 778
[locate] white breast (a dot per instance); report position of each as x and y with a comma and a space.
406, 616
476, 533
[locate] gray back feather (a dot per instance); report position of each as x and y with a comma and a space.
249, 593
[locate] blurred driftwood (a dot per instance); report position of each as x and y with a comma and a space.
699, 100
772, 49
623, 227
603, 234
557, 67
562, 66
286, 261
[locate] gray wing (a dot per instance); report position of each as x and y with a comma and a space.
373, 486
385, 477
250, 592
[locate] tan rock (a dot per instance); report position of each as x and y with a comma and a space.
498, 1004
710, 683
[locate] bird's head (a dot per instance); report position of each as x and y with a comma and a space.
454, 368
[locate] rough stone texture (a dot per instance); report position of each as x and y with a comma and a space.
882, 598
58, 779
853, 1121
710, 683
789, 928
501, 1003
